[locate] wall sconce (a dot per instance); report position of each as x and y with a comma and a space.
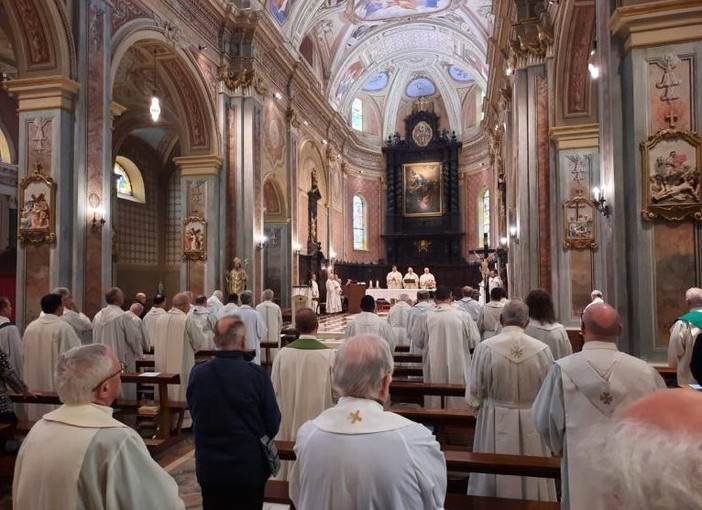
297, 248
98, 214
261, 242
599, 200
513, 234
503, 242
592, 62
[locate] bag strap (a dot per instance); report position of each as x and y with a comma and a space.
231, 402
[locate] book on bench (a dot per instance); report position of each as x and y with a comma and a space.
149, 410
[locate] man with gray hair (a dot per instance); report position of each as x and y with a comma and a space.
256, 329
114, 328
78, 456
78, 321
273, 318
683, 335
215, 302
136, 310
397, 318
205, 320
420, 308
396, 463
584, 390
506, 374
468, 304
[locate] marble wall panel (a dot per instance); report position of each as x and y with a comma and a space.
543, 182
475, 184
669, 96
581, 283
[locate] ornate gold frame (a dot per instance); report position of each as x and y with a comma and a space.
37, 218
571, 238
195, 242
436, 169
691, 178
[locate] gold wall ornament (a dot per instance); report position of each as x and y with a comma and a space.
195, 238
671, 177
241, 79
291, 117
37, 217
423, 245
579, 223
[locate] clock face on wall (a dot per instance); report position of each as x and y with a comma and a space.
422, 134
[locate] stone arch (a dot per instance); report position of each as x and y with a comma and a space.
183, 81
274, 199
43, 40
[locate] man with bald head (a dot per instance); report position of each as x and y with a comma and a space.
683, 335
176, 340
585, 389
301, 378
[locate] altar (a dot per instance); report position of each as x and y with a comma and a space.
390, 294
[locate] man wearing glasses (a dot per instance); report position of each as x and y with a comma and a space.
83, 457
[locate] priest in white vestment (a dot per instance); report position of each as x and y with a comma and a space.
176, 341
445, 336
301, 379
151, 318
215, 302
420, 308
394, 278
79, 456
427, 280
468, 304
489, 316
231, 307
333, 294
397, 318
543, 325
358, 456
78, 321
45, 339
256, 329
10, 340
314, 293
273, 318
411, 279
506, 374
586, 389
113, 327
205, 320
683, 334
134, 313
368, 322
494, 280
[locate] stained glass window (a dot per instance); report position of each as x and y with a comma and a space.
486, 216
357, 115
124, 184
360, 220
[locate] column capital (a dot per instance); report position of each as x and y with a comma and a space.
44, 92
199, 165
579, 136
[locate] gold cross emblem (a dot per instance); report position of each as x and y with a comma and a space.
606, 398
516, 351
354, 417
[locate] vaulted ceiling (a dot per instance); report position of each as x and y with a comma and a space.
393, 50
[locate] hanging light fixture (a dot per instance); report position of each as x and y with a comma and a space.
155, 109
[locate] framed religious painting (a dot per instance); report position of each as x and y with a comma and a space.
578, 219
195, 238
422, 189
37, 218
671, 176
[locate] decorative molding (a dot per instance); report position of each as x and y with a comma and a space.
37, 203
241, 82
198, 165
575, 137
44, 92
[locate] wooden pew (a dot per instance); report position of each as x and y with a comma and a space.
415, 391
405, 357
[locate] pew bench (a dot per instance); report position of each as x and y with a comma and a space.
415, 391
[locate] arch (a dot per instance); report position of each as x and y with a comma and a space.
42, 38
273, 198
6, 146
484, 214
133, 176
359, 222
183, 80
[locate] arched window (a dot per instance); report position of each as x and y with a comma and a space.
130, 183
5, 154
360, 223
357, 114
484, 217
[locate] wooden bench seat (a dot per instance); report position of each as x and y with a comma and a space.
415, 391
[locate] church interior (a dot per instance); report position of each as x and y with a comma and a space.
146, 144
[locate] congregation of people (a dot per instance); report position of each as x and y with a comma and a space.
599, 409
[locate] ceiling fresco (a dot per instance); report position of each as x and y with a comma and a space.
383, 48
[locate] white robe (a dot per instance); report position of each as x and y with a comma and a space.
176, 341
356, 456
368, 322
302, 382
682, 340
333, 296
80, 323
582, 390
397, 318
149, 323
206, 321
554, 335
410, 281
427, 281
446, 336
471, 306
412, 333
228, 309
255, 330
45, 339
314, 294
494, 282
273, 318
506, 374
11, 345
394, 280
214, 304
489, 318
79, 457
140, 327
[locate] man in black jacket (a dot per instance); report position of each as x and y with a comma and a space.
233, 405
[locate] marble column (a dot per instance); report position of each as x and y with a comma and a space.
46, 122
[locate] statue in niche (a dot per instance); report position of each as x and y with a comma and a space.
237, 277
313, 196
